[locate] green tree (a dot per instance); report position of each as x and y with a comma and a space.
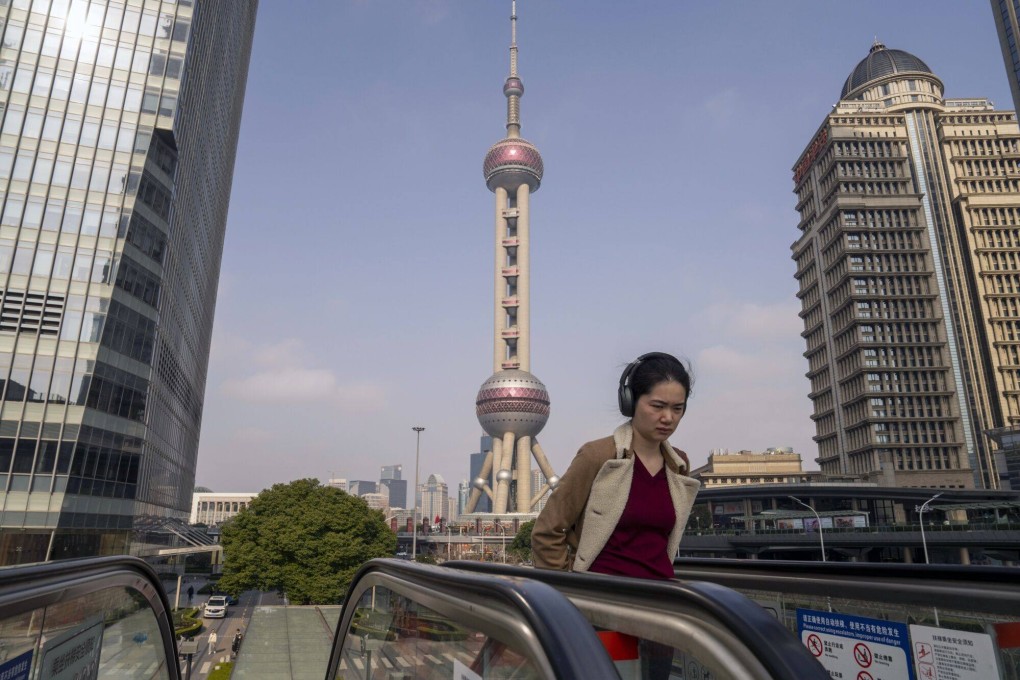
700, 518
303, 539
521, 545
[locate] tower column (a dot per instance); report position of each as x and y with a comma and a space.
524, 277
523, 475
499, 325
504, 474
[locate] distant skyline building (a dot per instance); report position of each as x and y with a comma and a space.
212, 509
117, 146
512, 405
463, 493
434, 498
376, 501
338, 483
397, 490
909, 277
359, 487
391, 472
741, 468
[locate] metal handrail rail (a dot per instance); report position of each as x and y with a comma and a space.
27, 587
572, 649
767, 640
991, 590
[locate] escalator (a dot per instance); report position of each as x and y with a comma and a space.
404, 620
471, 620
95, 618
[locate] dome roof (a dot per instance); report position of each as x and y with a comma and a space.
512, 401
882, 62
512, 162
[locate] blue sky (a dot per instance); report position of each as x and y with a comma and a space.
355, 297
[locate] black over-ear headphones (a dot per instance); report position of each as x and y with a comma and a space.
625, 395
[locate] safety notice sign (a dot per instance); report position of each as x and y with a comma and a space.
856, 647
944, 654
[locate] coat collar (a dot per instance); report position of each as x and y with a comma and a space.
623, 437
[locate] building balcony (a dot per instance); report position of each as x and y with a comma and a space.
509, 272
509, 242
508, 365
510, 213
508, 333
509, 302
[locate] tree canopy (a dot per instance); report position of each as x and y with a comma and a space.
303, 539
521, 545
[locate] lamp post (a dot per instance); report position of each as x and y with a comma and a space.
920, 513
503, 532
414, 536
821, 536
449, 538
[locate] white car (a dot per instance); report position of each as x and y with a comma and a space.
215, 608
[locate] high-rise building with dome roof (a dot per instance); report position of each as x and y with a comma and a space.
120, 121
1007, 22
512, 405
908, 262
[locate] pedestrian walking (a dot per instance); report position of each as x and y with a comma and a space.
212, 642
236, 644
191, 593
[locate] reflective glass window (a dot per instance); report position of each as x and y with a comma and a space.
13, 120
43, 264
6, 161
23, 257
41, 174
63, 262
6, 257
62, 172
33, 213
54, 211
12, 216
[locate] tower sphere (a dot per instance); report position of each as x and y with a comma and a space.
513, 87
511, 163
512, 401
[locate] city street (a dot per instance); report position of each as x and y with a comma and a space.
238, 617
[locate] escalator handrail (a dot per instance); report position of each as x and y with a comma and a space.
572, 648
992, 590
779, 652
22, 583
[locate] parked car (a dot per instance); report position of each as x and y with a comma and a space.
216, 607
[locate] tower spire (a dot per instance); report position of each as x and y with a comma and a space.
513, 88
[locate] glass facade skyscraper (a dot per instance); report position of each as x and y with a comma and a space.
119, 130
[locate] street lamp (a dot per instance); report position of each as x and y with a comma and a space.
821, 537
920, 513
449, 538
414, 536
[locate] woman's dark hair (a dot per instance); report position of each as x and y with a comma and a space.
657, 368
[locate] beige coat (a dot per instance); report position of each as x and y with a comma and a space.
583, 511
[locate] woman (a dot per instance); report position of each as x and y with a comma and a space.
588, 524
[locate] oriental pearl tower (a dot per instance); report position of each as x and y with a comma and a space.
512, 405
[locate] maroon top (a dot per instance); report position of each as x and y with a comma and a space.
638, 545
